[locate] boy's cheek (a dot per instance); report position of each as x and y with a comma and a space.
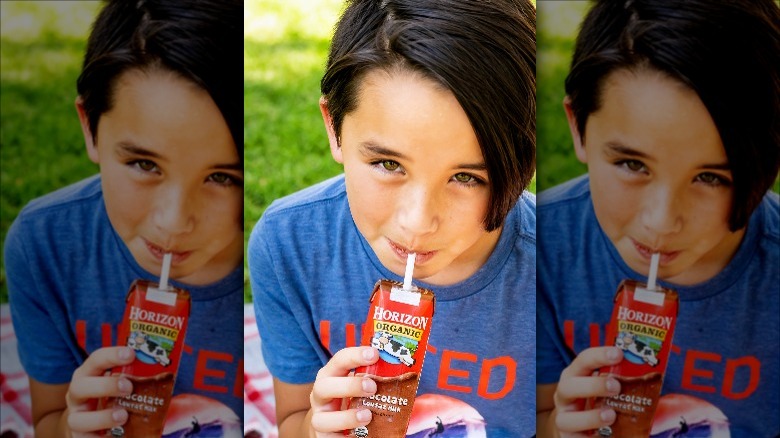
613, 209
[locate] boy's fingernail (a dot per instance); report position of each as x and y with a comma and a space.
119, 415
613, 386
607, 416
124, 353
613, 354
369, 386
363, 415
368, 353
125, 386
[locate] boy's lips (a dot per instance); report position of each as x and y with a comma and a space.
402, 253
158, 252
647, 252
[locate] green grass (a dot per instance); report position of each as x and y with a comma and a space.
285, 145
42, 149
556, 30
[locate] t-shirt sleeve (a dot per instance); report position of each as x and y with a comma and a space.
46, 350
287, 350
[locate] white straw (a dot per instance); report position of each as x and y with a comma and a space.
653, 271
166, 268
409, 269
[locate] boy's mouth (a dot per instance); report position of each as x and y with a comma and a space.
646, 252
158, 252
403, 252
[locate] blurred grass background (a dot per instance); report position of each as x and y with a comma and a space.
556, 29
41, 146
285, 146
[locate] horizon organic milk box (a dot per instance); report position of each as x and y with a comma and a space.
398, 325
154, 325
642, 325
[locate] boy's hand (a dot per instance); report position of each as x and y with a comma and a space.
578, 384
333, 384
90, 384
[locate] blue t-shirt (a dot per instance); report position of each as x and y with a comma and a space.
725, 349
68, 275
312, 275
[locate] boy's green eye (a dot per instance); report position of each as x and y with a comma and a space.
710, 178
464, 178
390, 165
634, 165
707, 177
220, 178
224, 179
146, 165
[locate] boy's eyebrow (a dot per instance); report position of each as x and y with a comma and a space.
231, 166
369, 148
472, 166
616, 148
716, 166
133, 149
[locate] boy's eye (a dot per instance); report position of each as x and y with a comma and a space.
711, 179
390, 165
146, 165
464, 178
219, 178
634, 165
224, 179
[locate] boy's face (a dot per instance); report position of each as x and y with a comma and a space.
171, 176
659, 177
415, 177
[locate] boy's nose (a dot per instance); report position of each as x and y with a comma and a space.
662, 212
174, 212
418, 212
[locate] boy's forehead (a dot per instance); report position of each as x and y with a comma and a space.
154, 75
621, 77
645, 113
379, 77
161, 114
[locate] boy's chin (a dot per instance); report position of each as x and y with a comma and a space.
177, 272
394, 266
394, 269
666, 273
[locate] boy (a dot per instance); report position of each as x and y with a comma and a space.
673, 107
430, 108
161, 115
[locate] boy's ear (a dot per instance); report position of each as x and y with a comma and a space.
335, 149
89, 140
579, 147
